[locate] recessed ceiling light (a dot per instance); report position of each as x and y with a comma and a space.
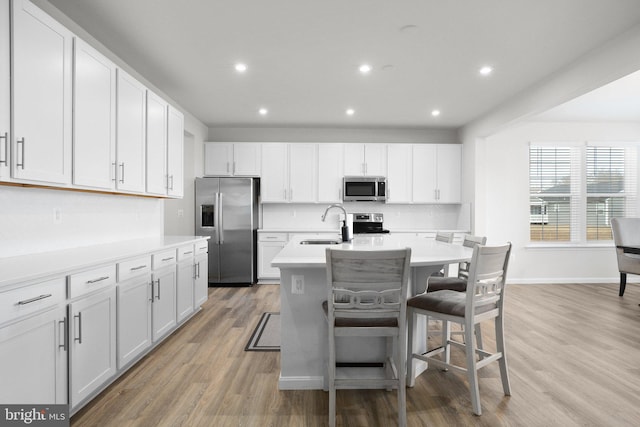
263, 111
435, 113
486, 70
240, 67
365, 68
350, 111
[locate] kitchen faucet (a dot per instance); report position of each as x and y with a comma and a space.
345, 227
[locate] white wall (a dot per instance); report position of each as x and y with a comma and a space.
28, 222
505, 201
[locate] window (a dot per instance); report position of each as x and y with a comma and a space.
575, 190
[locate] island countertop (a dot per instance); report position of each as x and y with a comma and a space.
424, 252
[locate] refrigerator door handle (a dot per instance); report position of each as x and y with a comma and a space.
216, 215
220, 215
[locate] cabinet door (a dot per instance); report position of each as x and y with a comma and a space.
330, 173
33, 360
94, 95
424, 173
5, 84
266, 253
92, 343
449, 173
274, 181
156, 151
375, 159
42, 58
246, 159
134, 319
302, 173
185, 285
399, 177
131, 134
164, 302
354, 160
218, 159
175, 161
201, 288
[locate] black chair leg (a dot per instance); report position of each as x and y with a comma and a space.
623, 283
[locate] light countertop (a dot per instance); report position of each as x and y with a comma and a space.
26, 268
424, 252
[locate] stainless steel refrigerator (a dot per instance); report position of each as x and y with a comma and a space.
227, 211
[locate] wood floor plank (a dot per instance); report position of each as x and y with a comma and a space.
573, 352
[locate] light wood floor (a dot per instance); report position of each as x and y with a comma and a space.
574, 359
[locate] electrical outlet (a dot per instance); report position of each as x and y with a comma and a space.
297, 284
180, 213
57, 216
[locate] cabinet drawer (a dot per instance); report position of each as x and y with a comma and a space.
185, 252
202, 247
30, 299
91, 280
272, 237
133, 268
163, 259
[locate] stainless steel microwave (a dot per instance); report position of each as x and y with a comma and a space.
364, 189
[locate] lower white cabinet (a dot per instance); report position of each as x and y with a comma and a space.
33, 359
163, 297
269, 244
201, 285
185, 289
92, 343
134, 319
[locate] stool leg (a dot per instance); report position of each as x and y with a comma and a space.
623, 283
411, 370
472, 372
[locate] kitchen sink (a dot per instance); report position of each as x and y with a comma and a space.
320, 242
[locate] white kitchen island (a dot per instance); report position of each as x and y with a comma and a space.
303, 288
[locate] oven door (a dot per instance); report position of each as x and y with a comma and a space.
360, 189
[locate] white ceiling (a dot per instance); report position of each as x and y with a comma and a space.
303, 55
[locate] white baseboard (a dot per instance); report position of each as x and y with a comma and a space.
572, 280
301, 383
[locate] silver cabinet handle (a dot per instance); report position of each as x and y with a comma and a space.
198, 264
152, 291
115, 171
21, 142
158, 289
122, 173
5, 137
137, 268
187, 253
195, 271
171, 188
167, 259
79, 337
234, 168
99, 279
63, 340
34, 299
227, 167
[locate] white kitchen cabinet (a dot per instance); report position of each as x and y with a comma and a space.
303, 173
330, 172
289, 173
42, 97
436, 173
274, 183
399, 177
92, 343
201, 285
134, 318
156, 147
175, 153
365, 160
163, 295
269, 245
5, 84
227, 159
131, 134
185, 283
94, 119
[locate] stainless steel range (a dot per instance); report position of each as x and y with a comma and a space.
369, 223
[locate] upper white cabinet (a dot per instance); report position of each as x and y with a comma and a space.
399, 179
5, 100
365, 159
232, 159
130, 153
289, 173
330, 172
436, 173
94, 142
156, 170
175, 145
42, 78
